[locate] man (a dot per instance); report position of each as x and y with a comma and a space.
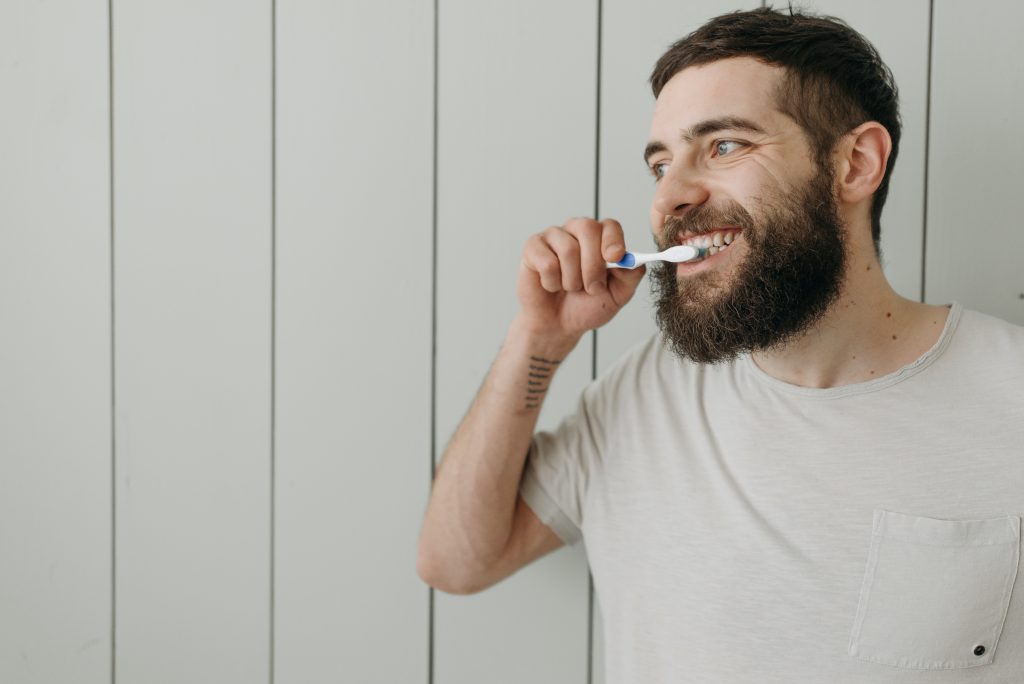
804, 477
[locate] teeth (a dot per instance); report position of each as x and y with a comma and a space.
712, 251
719, 239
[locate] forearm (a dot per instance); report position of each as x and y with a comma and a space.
472, 504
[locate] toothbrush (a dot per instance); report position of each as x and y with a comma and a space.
677, 255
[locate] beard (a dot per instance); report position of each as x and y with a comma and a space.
791, 274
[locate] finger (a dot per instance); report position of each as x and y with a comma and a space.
592, 267
540, 258
613, 242
568, 250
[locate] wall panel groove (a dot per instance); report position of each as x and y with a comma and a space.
113, 348
594, 334
927, 146
272, 532
433, 311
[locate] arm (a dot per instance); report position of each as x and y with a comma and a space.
476, 529
472, 504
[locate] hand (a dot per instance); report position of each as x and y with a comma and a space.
564, 287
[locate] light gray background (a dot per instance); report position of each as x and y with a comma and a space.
256, 258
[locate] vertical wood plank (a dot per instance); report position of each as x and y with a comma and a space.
517, 113
55, 445
974, 241
192, 105
354, 169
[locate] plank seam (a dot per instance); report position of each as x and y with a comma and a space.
927, 145
593, 349
113, 384
273, 338
433, 328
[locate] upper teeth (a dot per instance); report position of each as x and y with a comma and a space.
720, 238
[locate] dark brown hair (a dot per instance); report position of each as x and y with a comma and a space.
834, 79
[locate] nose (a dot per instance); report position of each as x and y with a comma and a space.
677, 191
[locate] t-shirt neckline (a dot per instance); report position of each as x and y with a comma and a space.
873, 385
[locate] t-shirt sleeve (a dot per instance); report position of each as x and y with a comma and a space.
559, 465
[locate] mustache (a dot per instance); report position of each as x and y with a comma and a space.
704, 219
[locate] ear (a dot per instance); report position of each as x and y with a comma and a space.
862, 160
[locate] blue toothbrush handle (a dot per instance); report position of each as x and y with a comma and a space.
628, 261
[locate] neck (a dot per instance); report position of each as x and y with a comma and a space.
868, 332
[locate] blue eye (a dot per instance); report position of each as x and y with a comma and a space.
659, 169
718, 145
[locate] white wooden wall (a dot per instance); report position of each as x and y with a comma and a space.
221, 402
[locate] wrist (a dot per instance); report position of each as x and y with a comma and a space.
542, 341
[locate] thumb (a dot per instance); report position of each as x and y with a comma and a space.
622, 283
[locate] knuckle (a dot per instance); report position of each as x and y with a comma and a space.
571, 249
533, 245
589, 233
611, 229
552, 232
581, 223
547, 264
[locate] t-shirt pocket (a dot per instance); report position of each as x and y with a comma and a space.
935, 592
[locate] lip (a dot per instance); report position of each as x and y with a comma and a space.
718, 260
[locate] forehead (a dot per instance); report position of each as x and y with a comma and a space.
738, 86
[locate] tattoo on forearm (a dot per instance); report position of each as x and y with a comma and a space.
538, 380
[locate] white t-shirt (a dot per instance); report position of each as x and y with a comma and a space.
742, 529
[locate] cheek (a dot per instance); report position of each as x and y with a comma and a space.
656, 221
762, 181
749, 189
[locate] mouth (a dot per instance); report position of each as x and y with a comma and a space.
720, 245
714, 241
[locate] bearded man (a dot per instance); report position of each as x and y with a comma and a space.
804, 476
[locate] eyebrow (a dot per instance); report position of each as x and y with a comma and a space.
699, 130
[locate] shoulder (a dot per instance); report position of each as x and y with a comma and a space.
983, 333
990, 348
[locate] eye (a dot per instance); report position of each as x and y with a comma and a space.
658, 170
720, 143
